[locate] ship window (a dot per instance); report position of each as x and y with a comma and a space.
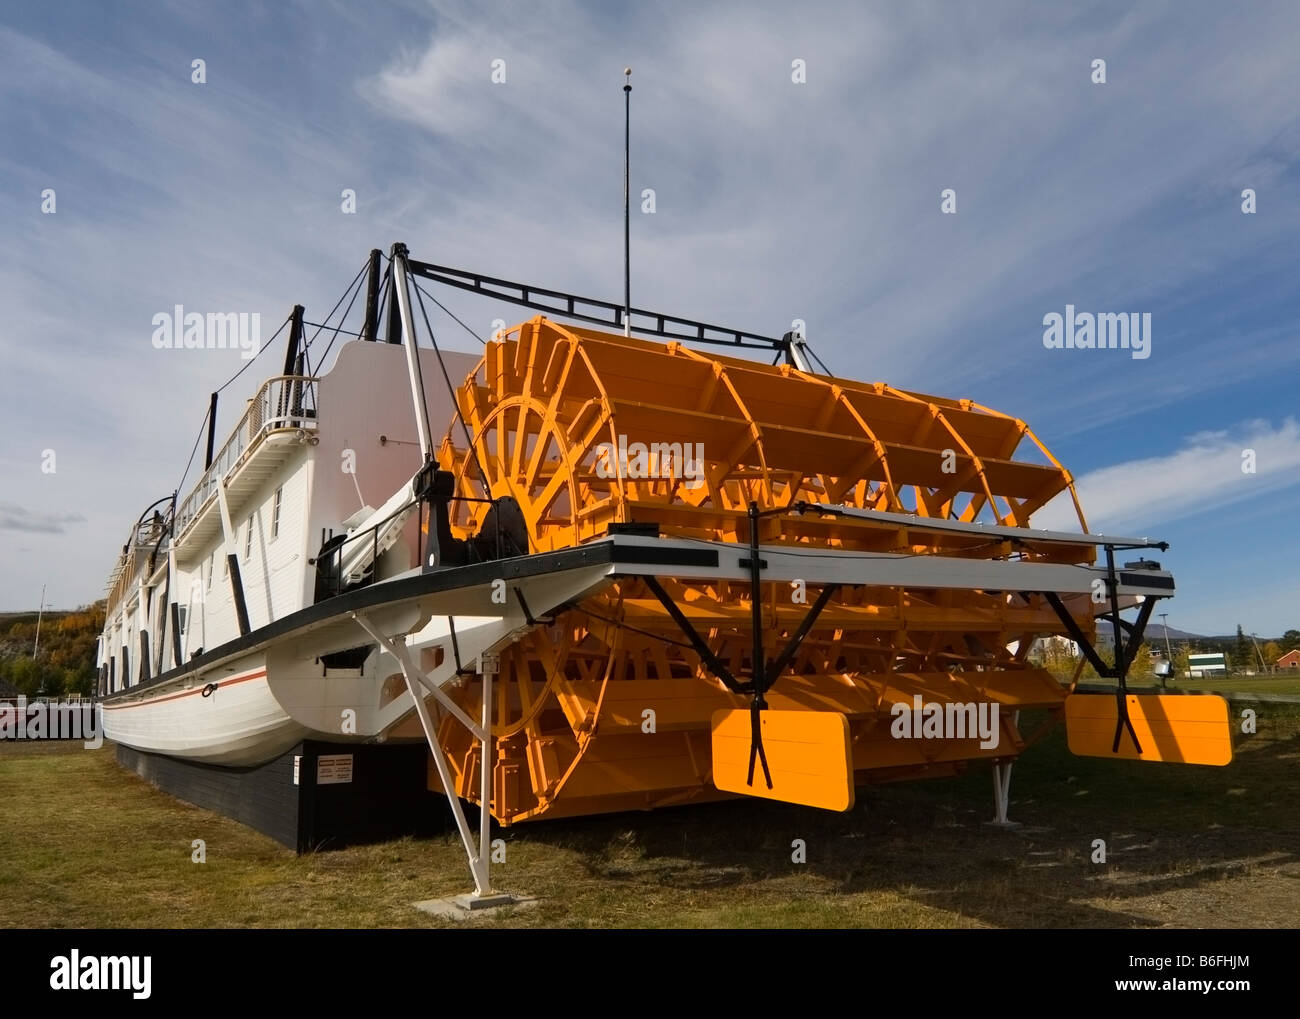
275, 513
248, 539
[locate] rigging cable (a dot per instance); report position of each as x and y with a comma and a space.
818, 359
455, 404
199, 438
449, 313
355, 280
250, 361
355, 290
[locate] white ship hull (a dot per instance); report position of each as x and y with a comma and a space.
235, 721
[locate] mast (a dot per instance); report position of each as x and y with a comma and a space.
370, 330
212, 431
397, 279
627, 227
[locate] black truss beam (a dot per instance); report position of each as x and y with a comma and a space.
603, 313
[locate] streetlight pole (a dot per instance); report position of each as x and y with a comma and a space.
36, 644
1263, 667
39, 611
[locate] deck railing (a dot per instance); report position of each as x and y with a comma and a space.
283, 402
144, 538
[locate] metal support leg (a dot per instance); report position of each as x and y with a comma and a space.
1002, 791
488, 664
1001, 794
419, 686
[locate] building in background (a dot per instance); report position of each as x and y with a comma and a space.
1211, 664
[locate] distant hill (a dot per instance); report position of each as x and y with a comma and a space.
1156, 631
65, 661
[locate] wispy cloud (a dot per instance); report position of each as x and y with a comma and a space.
775, 201
1211, 472
16, 518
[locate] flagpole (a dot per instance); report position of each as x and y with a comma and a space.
627, 230
40, 611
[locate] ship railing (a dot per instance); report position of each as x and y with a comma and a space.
73, 699
144, 538
332, 577
285, 402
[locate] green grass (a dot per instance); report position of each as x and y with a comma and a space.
86, 844
1243, 686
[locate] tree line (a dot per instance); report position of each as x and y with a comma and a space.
65, 658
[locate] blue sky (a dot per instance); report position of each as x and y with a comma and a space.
774, 201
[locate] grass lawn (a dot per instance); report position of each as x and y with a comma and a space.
86, 844
1283, 685
1244, 685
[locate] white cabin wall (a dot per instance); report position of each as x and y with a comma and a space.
366, 395
271, 572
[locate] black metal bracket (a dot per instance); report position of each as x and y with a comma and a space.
765, 674
1124, 649
603, 313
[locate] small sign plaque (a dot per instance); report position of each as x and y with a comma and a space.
333, 769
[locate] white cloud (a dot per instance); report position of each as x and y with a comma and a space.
775, 201
1205, 475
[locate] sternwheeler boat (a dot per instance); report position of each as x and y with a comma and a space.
594, 567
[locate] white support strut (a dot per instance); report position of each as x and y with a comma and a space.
416, 682
398, 269
488, 664
1002, 790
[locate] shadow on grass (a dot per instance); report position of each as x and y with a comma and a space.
1170, 833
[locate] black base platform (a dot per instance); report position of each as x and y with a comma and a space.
357, 794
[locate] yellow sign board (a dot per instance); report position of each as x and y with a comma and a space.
1182, 728
808, 757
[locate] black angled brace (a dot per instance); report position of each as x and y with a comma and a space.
714, 663
1122, 656
1078, 636
1101, 668
777, 667
1124, 650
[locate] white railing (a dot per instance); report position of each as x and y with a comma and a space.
283, 402
144, 537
